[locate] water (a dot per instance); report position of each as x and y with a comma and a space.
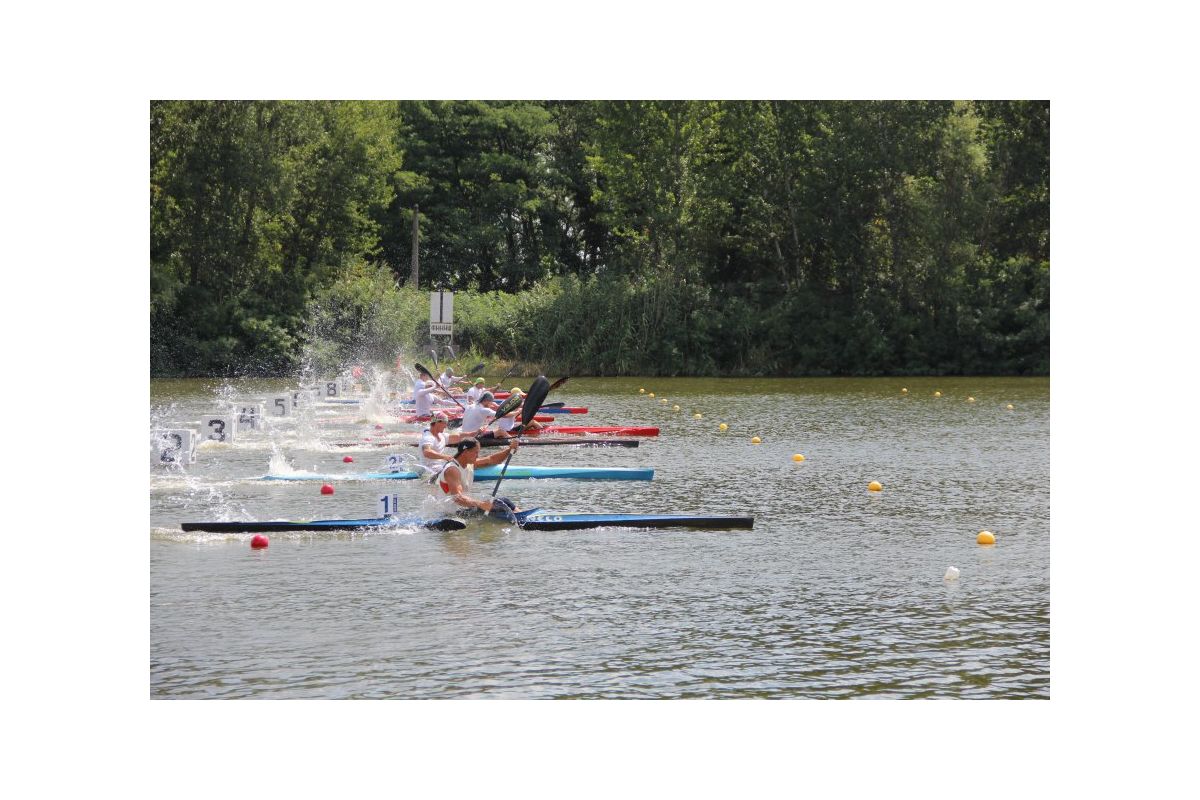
836, 592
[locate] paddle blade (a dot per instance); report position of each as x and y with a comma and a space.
508, 405
533, 400
475, 370
558, 383
422, 371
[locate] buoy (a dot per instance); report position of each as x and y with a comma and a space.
756, 440
875, 486
378, 427
662, 400
951, 574
326, 489
356, 372
366, 438
937, 394
674, 408
1009, 406
797, 458
347, 460
904, 391
970, 399
697, 415
259, 541
723, 426
641, 391
986, 537
650, 395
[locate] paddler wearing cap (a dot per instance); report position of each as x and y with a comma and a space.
477, 390
447, 379
479, 414
434, 441
504, 427
456, 475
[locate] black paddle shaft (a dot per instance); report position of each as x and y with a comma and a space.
533, 401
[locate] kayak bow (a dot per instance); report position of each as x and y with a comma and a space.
535, 519
276, 526
488, 473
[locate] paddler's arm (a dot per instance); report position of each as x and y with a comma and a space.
499, 455
460, 497
430, 453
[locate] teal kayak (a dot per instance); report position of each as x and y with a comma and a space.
488, 474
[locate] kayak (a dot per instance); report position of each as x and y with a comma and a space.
488, 473
487, 441
273, 526
535, 519
458, 415
611, 430
542, 410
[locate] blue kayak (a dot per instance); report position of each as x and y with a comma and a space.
489, 473
536, 519
274, 526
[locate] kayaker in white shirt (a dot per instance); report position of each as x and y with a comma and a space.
476, 391
479, 414
423, 396
504, 426
434, 441
454, 479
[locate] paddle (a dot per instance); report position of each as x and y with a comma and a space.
475, 370
533, 401
433, 353
429, 375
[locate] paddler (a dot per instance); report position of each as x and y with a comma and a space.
477, 391
479, 414
454, 479
447, 379
434, 441
504, 427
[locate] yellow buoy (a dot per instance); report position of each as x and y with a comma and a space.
797, 458
697, 415
756, 440
904, 391
875, 486
970, 399
986, 537
723, 426
674, 408
641, 391
937, 394
650, 395
1009, 406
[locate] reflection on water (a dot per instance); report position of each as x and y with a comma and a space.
837, 592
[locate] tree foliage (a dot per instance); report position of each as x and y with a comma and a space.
604, 237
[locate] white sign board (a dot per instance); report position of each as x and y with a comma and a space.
441, 313
279, 406
217, 428
329, 390
173, 447
249, 416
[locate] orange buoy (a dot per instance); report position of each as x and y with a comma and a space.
875, 486
326, 489
259, 541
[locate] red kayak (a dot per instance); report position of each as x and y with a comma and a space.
612, 430
457, 415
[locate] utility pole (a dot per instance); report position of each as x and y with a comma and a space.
416, 238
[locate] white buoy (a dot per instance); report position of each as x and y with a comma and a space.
951, 574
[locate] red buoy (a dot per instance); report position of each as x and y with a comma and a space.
259, 542
356, 372
378, 427
347, 460
366, 438
326, 489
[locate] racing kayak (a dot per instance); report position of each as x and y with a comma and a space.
458, 415
273, 526
487, 441
535, 519
487, 473
611, 430
542, 410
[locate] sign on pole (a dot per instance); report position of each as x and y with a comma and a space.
441, 313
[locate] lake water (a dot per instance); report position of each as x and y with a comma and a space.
836, 592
